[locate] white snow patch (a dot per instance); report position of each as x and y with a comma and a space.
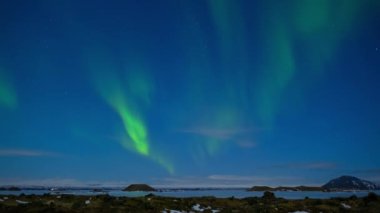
87, 202
5, 198
1, 200
21, 202
346, 206
59, 196
197, 207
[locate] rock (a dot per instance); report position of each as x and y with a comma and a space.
150, 195
139, 187
269, 196
371, 197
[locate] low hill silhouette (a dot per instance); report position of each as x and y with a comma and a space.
139, 187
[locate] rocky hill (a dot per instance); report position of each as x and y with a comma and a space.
349, 183
139, 187
342, 183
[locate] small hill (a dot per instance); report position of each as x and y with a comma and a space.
139, 187
261, 188
349, 183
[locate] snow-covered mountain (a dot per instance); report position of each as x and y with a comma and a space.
350, 183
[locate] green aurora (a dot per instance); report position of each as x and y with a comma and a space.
200, 81
128, 95
8, 97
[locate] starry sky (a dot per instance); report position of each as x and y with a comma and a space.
189, 92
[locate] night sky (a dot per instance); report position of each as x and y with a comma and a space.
189, 92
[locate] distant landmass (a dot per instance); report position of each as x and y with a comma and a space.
349, 183
11, 188
343, 183
287, 188
139, 187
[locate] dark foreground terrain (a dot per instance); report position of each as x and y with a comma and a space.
151, 203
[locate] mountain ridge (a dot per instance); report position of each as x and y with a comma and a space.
342, 183
347, 182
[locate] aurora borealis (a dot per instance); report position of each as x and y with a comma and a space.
8, 97
161, 91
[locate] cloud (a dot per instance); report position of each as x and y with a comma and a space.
316, 165
230, 181
55, 182
25, 153
218, 133
256, 180
242, 137
372, 171
246, 144
215, 180
320, 166
231, 177
63, 182
371, 174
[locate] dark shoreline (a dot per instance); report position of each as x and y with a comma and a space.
151, 203
169, 189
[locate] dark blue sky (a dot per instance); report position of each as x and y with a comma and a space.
189, 92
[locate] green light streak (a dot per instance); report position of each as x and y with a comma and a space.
164, 163
213, 146
276, 76
334, 16
324, 24
222, 111
153, 154
319, 26
222, 12
222, 119
128, 92
229, 25
133, 125
8, 97
139, 84
111, 89
311, 15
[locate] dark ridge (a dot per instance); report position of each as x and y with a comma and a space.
139, 187
349, 183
